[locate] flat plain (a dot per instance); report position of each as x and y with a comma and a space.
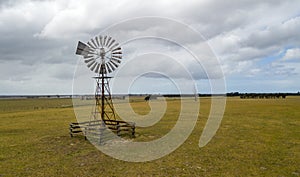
257, 137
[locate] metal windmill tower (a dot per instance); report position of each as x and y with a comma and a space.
103, 55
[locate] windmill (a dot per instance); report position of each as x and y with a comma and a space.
102, 55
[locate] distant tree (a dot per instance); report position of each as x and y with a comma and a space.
283, 96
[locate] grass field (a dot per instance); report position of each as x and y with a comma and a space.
257, 137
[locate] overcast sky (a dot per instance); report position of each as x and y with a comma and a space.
257, 42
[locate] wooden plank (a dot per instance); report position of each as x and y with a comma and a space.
76, 131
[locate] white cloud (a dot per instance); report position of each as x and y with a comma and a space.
288, 65
292, 55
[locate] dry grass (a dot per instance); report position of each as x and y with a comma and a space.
256, 138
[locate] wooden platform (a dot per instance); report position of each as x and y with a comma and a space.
97, 127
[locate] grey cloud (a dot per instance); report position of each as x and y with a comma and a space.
215, 17
7, 3
38, 38
286, 33
162, 49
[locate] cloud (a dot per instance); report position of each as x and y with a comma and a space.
292, 55
247, 36
18, 24
277, 35
288, 65
258, 45
83, 17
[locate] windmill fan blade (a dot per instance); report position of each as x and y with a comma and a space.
87, 56
116, 60
115, 56
93, 41
101, 42
98, 68
117, 53
109, 70
108, 41
116, 49
113, 62
91, 45
86, 53
97, 41
89, 60
104, 40
111, 66
93, 67
91, 63
114, 46
111, 43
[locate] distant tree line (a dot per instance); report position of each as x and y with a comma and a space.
261, 95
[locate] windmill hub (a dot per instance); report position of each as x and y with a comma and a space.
102, 53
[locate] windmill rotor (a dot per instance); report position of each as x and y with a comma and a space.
102, 54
